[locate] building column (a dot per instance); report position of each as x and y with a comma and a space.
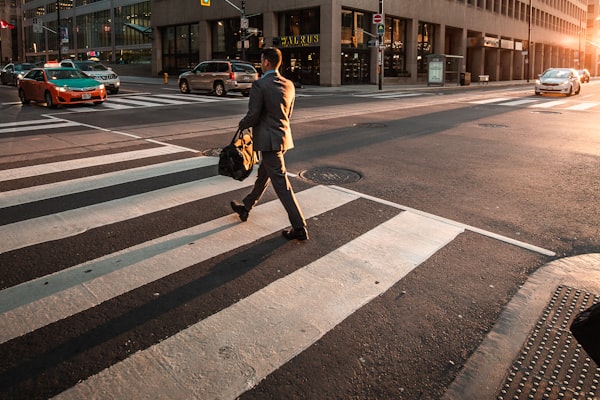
331, 46
411, 49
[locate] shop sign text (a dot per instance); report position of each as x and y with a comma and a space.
299, 41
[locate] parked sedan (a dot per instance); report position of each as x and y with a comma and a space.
558, 80
55, 86
11, 73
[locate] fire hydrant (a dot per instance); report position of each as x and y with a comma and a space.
166, 78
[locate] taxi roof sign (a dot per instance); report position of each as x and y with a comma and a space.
205, 3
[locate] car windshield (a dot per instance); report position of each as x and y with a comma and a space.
60, 74
556, 73
92, 66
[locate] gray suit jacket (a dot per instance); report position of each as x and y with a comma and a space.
269, 112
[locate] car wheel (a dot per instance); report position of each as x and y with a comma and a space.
24, 99
578, 89
219, 89
48, 99
184, 87
114, 91
246, 93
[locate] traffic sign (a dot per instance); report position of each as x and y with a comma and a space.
377, 18
380, 29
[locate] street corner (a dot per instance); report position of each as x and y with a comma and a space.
530, 352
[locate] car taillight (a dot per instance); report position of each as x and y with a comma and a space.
231, 76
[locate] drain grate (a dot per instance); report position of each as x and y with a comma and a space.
552, 365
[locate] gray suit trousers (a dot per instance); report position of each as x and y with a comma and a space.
272, 169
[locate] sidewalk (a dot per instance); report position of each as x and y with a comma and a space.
530, 352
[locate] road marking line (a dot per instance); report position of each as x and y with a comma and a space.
549, 104
57, 189
194, 98
582, 106
483, 232
28, 126
231, 351
60, 166
39, 302
518, 102
76, 221
487, 101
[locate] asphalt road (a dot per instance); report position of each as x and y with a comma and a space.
125, 273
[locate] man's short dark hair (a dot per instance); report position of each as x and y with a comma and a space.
273, 56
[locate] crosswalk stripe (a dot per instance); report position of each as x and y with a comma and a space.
116, 106
81, 287
260, 333
56, 189
27, 125
488, 101
161, 100
582, 106
75, 221
549, 104
133, 102
60, 166
518, 102
195, 98
389, 95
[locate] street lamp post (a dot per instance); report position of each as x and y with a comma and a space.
527, 55
58, 29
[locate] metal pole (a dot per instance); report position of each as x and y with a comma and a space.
58, 28
579, 48
243, 30
381, 49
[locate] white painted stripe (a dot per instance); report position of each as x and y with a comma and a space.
549, 104
487, 101
389, 95
582, 106
483, 232
162, 101
129, 101
192, 97
48, 125
60, 166
115, 106
518, 102
74, 222
36, 303
42, 192
33, 122
229, 352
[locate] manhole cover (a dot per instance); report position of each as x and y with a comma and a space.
493, 126
369, 125
330, 176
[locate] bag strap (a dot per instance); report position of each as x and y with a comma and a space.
239, 134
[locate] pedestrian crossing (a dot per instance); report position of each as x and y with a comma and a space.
101, 301
152, 100
571, 105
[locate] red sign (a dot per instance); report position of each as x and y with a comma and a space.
377, 18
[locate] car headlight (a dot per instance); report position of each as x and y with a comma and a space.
101, 86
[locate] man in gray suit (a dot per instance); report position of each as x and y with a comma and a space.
269, 111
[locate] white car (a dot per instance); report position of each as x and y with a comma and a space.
558, 80
97, 71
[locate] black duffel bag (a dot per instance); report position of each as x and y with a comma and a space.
237, 159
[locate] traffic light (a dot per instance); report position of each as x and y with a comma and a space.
205, 3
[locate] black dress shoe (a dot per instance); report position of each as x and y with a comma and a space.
291, 234
240, 210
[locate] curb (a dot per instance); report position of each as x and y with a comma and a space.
484, 373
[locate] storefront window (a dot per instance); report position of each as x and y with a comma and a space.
226, 39
299, 43
180, 47
395, 49
425, 45
356, 54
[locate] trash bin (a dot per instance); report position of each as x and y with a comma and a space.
465, 78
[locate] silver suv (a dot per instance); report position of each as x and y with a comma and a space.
97, 71
219, 77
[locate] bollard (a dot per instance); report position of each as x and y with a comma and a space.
166, 78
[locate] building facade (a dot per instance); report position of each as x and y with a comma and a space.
10, 12
114, 31
329, 42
